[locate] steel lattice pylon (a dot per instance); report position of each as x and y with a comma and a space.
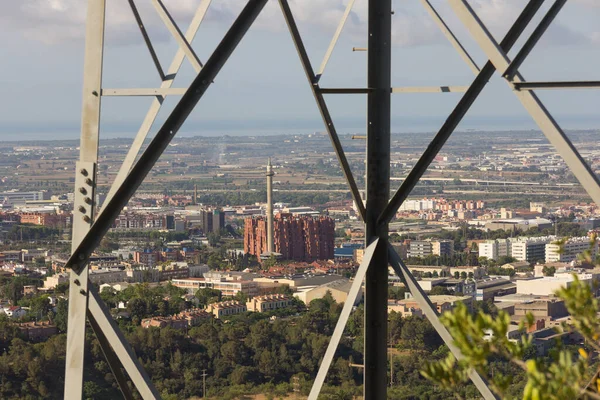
376, 212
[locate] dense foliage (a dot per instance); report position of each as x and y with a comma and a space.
244, 354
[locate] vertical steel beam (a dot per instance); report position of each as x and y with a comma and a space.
457, 114
85, 178
378, 188
169, 129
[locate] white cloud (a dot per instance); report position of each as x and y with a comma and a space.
60, 21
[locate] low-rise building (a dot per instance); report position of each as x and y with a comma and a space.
227, 288
268, 302
53, 281
410, 307
107, 276
35, 331
488, 289
194, 316
163, 322
548, 285
226, 308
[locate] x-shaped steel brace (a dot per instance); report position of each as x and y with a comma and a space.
498, 60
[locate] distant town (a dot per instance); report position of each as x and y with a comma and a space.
215, 234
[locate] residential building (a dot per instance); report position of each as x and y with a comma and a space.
194, 316
568, 250
528, 249
424, 248
35, 331
299, 238
147, 257
268, 302
107, 276
226, 308
53, 281
163, 322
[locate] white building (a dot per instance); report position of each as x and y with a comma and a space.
521, 248
568, 251
548, 285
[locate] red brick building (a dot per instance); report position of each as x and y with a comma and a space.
299, 238
51, 220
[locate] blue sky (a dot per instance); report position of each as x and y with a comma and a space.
262, 89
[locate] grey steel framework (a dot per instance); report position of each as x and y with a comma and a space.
376, 212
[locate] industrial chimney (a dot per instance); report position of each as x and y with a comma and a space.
270, 174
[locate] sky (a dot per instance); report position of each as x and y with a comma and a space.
262, 89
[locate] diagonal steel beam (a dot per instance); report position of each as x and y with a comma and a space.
533, 39
320, 100
140, 24
164, 14
112, 359
150, 117
343, 319
553, 132
334, 40
166, 133
432, 315
111, 334
457, 114
450, 36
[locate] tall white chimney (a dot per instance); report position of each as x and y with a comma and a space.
270, 174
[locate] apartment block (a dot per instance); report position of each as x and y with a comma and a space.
226, 308
568, 250
268, 302
528, 249
299, 238
424, 248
